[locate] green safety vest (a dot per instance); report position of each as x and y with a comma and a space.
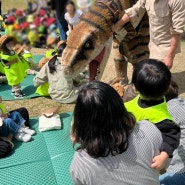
1, 68
24, 60
3, 109
15, 73
43, 89
154, 114
50, 53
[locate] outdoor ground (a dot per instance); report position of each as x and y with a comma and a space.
37, 105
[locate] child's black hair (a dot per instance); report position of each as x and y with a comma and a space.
51, 63
151, 78
173, 91
101, 123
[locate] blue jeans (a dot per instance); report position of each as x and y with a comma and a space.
62, 26
12, 124
172, 179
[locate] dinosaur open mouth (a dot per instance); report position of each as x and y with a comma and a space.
94, 66
93, 70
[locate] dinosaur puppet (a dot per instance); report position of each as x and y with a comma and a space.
93, 34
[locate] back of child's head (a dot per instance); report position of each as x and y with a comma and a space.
51, 63
173, 91
101, 122
151, 79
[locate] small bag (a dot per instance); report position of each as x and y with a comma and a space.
49, 123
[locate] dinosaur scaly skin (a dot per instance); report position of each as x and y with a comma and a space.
94, 32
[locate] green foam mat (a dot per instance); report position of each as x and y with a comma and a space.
26, 86
43, 161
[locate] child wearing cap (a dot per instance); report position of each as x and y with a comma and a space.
13, 123
12, 65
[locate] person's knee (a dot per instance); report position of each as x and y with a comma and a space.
7, 121
5, 148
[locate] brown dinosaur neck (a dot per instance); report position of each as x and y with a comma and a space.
112, 6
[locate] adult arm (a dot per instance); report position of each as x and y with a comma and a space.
70, 27
178, 22
171, 53
131, 14
42, 76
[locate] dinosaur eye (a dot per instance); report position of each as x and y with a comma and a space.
88, 45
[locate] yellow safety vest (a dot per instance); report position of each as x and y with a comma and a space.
43, 89
15, 73
154, 114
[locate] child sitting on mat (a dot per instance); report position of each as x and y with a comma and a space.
13, 66
60, 89
13, 123
151, 79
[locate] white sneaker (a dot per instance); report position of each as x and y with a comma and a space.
21, 136
29, 131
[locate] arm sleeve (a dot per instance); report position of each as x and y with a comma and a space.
171, 136
178, 16
76, 180
41, 76
65, 16
134, 12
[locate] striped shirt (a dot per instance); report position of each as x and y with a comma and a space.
176, 108
129, 168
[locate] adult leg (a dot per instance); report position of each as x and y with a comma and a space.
62, 28
172, 179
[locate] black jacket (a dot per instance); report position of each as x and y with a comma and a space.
59, 7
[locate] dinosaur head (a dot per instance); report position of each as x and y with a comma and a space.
86, 41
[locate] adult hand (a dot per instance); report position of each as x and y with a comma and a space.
168, 61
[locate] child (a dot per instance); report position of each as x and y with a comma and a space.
26, 57
13, 123
72, 16
151, 79
60, 89
13, 67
